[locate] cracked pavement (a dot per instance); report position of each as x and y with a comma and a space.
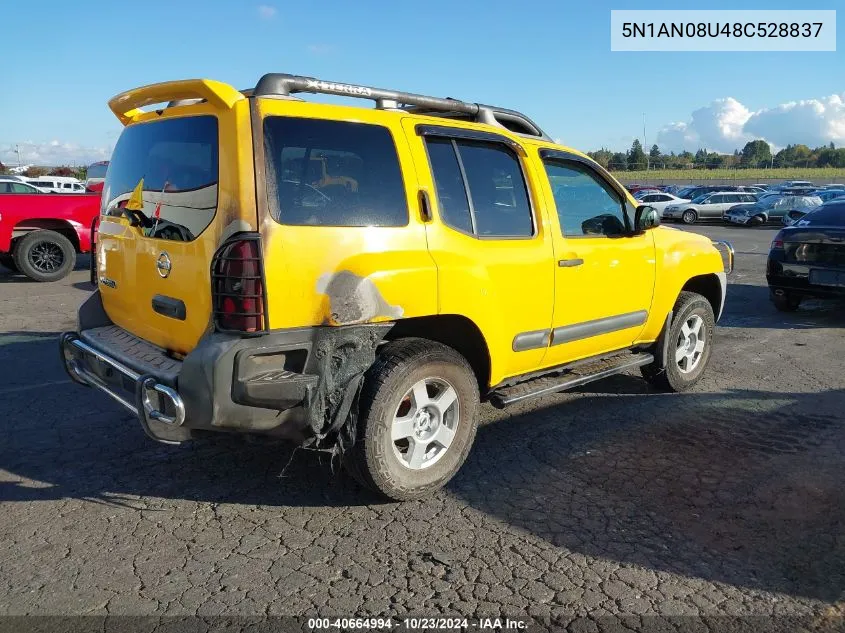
611, 500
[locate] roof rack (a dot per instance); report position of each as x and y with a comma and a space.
284, 85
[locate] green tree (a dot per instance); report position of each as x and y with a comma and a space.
756, 153
602, 157
636, 156
2, 168
655, 154
618, 162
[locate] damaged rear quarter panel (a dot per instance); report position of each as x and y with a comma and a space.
346, 275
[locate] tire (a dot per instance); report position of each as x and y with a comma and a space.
45, 256
8, 260
758, 220
689, 216
395, 466
674, 377
786, 302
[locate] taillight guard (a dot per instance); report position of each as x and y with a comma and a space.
238, 286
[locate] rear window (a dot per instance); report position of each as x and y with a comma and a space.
97, 170
174, 161
831, 214
333, 173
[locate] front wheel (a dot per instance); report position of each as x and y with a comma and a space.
689, 217
418, 416
689, 342
758, 220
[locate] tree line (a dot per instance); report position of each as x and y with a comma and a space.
36, 172
755, 154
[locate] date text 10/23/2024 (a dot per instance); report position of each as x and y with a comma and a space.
417, 624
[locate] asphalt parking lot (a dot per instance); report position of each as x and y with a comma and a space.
726, 501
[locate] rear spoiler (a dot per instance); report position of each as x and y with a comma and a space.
127, 105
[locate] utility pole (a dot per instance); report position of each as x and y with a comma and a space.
646, 148
18, 152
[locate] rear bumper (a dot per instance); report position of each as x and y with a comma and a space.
795, 278
287, 383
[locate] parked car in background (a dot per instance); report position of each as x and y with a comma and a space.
13, 186
96, 175
709, 206
661, 200
762, 185
644, 192
41, 234
808, 258
770, 209
793, 216
58, 184
830, 194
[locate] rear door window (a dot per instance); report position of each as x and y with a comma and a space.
333, 173
173, 165
480, 188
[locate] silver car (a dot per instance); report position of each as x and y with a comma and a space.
710, 206
771, 209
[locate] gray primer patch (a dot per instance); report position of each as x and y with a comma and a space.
354, 299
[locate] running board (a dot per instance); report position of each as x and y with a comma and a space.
544, 385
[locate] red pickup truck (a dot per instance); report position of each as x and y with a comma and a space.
41, 233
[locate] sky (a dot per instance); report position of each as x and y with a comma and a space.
549, 59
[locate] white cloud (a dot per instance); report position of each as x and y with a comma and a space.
266, 11
52, 153
726, 125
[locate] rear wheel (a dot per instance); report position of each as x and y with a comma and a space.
689, 342
758, 220
7, 260
418, 417
689, 216
786, 302
45, 256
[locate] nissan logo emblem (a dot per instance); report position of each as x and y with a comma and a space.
163, 265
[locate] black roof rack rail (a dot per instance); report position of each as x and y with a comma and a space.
282, 84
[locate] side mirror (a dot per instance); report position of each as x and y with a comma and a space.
645, 218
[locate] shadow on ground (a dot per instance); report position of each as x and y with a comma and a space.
743, 488
749, 306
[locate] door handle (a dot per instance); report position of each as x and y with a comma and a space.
570, 263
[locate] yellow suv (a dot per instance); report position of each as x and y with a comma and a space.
360, 279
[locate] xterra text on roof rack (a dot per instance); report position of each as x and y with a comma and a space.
359, 279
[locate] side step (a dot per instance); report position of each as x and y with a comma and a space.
577, 376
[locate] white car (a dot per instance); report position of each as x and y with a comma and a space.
709, 206
661, 200
58, 184
14, 186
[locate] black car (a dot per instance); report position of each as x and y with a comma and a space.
808, 259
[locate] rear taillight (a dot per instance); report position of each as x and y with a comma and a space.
237, 286
777, 243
